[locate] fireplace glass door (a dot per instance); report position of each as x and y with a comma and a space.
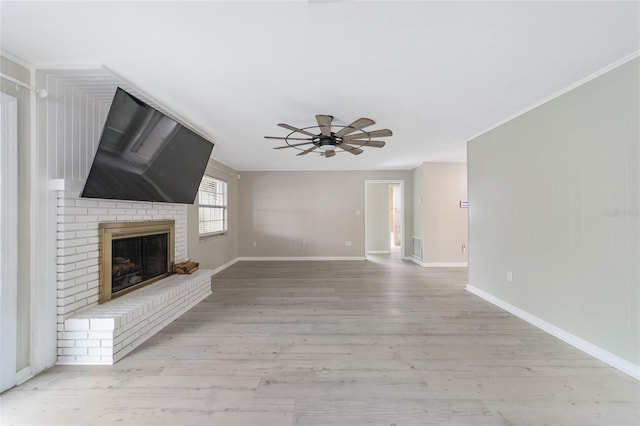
138, 259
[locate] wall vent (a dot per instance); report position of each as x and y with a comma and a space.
416, 247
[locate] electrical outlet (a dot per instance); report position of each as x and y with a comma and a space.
509, 276
347, 243
255, 244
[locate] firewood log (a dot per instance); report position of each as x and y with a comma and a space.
186, 267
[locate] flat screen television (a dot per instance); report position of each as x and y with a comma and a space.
144, 155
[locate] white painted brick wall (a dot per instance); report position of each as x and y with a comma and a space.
77, 254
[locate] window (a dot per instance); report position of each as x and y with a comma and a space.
212, 200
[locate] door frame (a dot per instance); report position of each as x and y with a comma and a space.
8, 241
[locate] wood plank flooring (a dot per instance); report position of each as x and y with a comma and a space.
380, 342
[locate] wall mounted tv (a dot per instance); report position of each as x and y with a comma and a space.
144, 155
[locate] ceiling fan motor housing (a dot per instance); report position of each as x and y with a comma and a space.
327, 143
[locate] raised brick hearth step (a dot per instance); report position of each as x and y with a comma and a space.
103, 334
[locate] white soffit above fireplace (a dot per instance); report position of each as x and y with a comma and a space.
436, 73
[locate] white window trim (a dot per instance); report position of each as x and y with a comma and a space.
225, 208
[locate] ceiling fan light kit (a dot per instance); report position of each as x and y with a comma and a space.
349, 138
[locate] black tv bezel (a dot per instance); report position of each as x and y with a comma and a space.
191, 190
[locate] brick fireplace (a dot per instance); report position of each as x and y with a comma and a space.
67, 229
78, 245
93, 333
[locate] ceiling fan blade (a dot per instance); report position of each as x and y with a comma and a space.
352, 149
324, 122
285, 138
359, 124
329, 153
373, 144
306, 151
292, 145
371, 134
295, 129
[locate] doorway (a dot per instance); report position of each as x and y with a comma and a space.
395, 219
384, 217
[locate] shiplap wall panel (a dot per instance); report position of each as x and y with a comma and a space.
75, 112
8, 239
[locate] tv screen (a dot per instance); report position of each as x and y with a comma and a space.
144, 155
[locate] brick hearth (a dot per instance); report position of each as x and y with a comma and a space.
105, 333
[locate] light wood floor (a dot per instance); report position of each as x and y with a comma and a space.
380, 342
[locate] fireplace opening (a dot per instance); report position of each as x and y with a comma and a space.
137, 259
134, 254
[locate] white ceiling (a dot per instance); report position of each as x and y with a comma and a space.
436, 73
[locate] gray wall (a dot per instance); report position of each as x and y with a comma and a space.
445, 223
554, 198
438, 219
21, 73
278, 210
216, 250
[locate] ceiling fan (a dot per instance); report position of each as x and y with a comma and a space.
349, 138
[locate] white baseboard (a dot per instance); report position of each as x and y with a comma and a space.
595, 351
378, 252
295, 258
23, 375
439, 264
289, 258
225, 266
446, 264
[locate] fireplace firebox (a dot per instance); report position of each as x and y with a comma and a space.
134, 254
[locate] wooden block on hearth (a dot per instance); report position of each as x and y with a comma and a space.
187, 267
